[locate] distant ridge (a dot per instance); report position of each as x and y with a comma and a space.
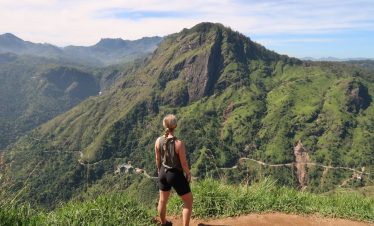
10, 37
106, 52
13, 44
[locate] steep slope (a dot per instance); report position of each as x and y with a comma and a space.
106, 52
234, 99
34, 90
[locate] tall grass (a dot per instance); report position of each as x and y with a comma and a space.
211, 199
105, 210
109, 210
18, 215
216, 199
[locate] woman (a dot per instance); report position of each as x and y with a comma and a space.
171, 162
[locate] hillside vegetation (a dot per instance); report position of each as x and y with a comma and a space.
34, 90
234, 99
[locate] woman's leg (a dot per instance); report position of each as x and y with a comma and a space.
187, 208
164, 196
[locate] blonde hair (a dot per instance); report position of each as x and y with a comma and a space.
169, 123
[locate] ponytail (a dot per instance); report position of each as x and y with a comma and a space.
167, 132
169, 123
165, 145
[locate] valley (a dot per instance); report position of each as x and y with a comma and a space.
246, 114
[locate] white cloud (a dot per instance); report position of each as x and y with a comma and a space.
80, 22
282, 41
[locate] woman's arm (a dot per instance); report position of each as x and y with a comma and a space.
181, 151
158, 155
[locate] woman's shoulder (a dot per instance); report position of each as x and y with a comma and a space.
158, 140
179, 142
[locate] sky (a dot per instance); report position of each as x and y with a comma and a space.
298, 28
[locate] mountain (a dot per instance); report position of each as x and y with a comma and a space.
11, 43
34, 90
235, 101
114, 51
105, 52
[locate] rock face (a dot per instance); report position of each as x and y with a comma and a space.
301, 160
207, 59
193, 58
357, 97
201, 79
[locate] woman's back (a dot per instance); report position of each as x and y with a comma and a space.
169, 152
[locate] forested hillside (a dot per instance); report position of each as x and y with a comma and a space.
235, 101
34, 90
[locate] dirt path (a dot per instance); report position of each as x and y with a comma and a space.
271, 219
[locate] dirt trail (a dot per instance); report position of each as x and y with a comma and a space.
271, 219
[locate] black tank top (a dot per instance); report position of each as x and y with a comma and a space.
169, 158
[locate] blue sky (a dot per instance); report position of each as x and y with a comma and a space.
300, 28
343, 44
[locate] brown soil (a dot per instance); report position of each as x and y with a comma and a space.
271, 219
301, 159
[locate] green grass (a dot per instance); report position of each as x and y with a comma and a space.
212, 198
18, 215
114, 209
216, 199
105, 210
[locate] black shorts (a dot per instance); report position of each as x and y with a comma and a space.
173, 178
